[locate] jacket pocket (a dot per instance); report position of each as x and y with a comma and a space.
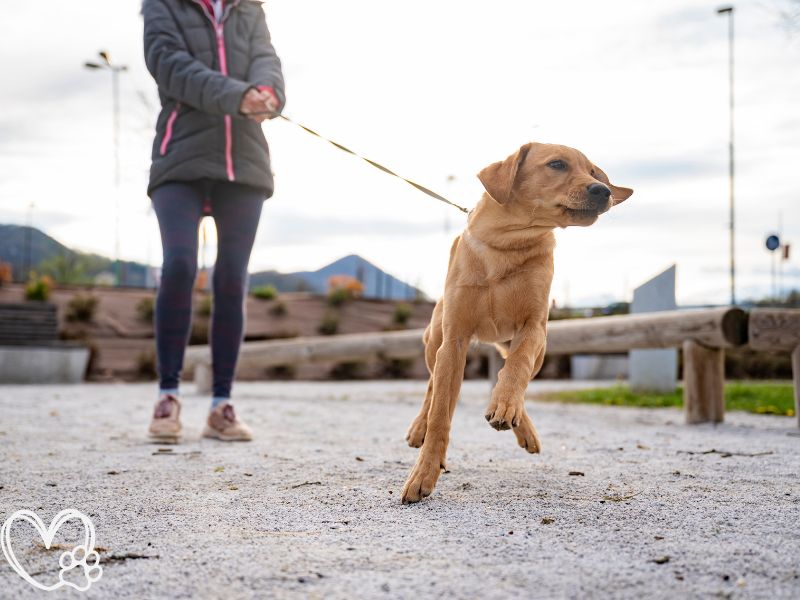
173, 116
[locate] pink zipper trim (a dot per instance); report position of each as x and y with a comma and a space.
223, 65
170, 123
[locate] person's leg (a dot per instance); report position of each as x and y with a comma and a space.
236, 209
178, 207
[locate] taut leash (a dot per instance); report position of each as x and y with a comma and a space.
379, 166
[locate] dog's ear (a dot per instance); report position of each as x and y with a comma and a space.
498, 178
618, 194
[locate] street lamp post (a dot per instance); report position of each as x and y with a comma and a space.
26, 257
728, 10
115, 70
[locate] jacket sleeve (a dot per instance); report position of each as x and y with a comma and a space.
265, 66
178, 73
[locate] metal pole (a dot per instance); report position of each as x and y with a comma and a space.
732, 163
26, 261
115, 101
728, 10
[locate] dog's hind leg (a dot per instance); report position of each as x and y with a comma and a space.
447, 377
525, 432
433, 340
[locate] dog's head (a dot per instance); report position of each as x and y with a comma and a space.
551, 185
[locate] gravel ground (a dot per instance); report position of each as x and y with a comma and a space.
622, 503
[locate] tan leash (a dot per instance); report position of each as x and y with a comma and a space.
379, 166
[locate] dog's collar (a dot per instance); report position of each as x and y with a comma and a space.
478, 244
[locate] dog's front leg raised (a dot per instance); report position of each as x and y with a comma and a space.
447, 376
507, 407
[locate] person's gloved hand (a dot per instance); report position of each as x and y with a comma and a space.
259, 105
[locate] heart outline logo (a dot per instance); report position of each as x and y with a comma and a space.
47, 535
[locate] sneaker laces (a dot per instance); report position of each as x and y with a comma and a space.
228, 413
164, 407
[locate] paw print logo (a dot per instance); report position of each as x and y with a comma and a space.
83, 555
89, 561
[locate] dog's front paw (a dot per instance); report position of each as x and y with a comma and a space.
422, 480
527, 437
416, 433
503, 414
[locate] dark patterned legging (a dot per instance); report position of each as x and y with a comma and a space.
180, 206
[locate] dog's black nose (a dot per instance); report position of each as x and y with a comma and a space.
598, 195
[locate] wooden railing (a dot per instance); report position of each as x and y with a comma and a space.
703, 335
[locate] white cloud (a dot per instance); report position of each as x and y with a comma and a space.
435, 89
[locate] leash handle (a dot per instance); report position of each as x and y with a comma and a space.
377, 165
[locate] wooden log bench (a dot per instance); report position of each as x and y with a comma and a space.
778, 329
704, 335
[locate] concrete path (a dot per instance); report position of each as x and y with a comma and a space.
623, 503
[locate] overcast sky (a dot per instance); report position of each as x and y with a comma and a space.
437, 90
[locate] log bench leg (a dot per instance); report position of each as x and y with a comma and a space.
703, 383
796, 375
202, 378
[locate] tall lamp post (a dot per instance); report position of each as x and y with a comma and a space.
115, 70
728, 10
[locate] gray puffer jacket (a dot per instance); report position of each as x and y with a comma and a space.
203, 69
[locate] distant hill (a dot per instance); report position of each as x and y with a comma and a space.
377, 283
13, 244
283, 282
43, 248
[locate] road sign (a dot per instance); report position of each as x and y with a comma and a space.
773, 243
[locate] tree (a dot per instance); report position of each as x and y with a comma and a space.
64, 268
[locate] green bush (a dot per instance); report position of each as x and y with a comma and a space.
330, 324
146, 364
278, 309
198, 335
145, 309
81, 308
338, 296
204, 306
265, 292
281, 372
402, 313
348, 370
39, 288
397, 368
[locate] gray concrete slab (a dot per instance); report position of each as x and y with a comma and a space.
46, 364
311, 508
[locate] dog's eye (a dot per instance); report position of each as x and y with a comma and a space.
558, 165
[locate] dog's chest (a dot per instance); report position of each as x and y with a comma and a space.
508, 305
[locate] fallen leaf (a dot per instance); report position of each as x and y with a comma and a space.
548, 520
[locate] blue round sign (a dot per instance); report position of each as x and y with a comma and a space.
773, 243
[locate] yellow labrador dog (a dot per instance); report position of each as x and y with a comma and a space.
497, 289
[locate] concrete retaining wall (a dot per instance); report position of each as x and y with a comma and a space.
57, 364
